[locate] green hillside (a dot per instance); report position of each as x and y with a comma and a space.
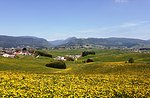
107, 77
105, 61
13, 41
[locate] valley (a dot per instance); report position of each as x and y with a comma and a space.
109, 75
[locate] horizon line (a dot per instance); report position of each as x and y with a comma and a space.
74, 37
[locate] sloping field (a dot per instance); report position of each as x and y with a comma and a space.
107, 76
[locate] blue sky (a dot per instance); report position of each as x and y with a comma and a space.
60, 19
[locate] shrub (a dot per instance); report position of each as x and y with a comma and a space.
131, 60
85, 53
89, 60
43, 54
24, 49
57, 64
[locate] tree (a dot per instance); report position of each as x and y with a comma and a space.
131, 60
24, 49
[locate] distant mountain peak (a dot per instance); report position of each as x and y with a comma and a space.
60, 42
71, 38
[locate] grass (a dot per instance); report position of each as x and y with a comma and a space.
26, 63
104, 61
108, 76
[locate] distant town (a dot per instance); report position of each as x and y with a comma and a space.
13, 52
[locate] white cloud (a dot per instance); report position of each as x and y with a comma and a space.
121, 1
129, 24
138, 29
59, 36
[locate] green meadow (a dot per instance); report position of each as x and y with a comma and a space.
108, 76
105, 61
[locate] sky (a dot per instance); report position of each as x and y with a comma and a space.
60, 19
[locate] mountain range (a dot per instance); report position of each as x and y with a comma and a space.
11, 41
102, 42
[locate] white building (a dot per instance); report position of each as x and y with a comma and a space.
8, 55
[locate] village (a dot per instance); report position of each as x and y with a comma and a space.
14, 52
29, 51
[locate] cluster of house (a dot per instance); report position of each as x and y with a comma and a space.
13, 52
139, 50
64, 58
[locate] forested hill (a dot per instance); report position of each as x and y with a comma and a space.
106, 42
11, 41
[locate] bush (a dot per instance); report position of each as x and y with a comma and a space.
43, 54
131, 60
89, 60
85, 53
57, 64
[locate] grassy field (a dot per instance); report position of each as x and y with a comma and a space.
107, 76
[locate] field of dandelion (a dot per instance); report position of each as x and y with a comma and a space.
20, 84
107, 76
